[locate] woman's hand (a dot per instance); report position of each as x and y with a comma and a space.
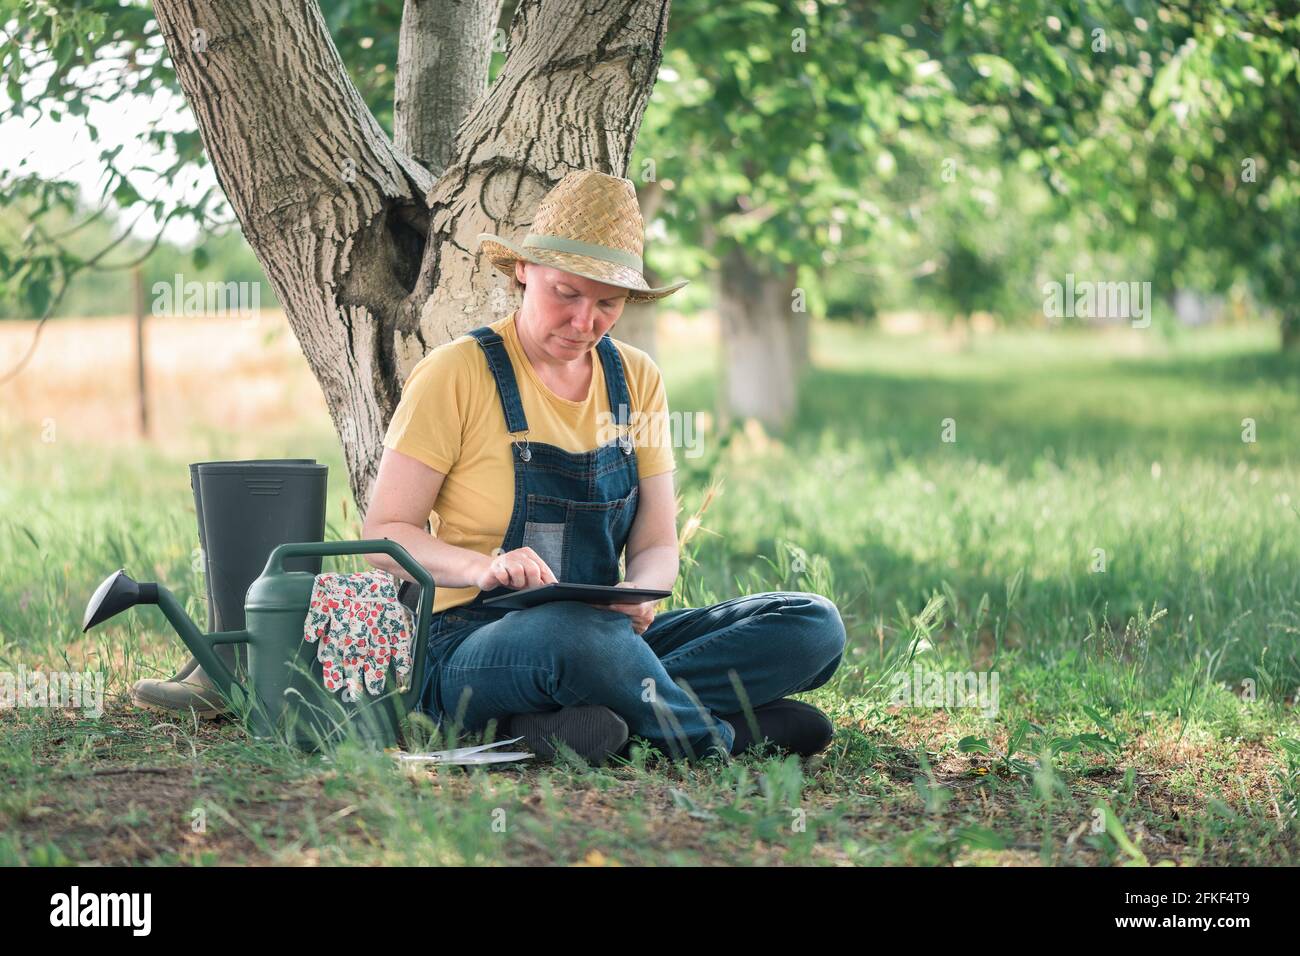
642, 614
520, 568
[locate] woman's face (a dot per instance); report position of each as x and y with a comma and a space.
567, 313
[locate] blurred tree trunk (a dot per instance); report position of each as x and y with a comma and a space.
372, 256
763, 341
141, 352
800, 326
638, 323
1291, 329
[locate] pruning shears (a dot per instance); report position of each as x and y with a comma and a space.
468, 755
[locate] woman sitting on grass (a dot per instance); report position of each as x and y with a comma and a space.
496, 442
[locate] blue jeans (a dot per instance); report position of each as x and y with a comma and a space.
667, 684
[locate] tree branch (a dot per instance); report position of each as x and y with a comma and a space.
571, 96
289, 136
320, 192
444, 51
343, 222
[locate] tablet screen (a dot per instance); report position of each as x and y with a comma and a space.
590, 593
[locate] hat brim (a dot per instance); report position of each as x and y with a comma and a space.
503, 254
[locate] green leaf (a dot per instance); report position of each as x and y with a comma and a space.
1017, 737
685, 801
734, 816
995, 69
981, 838
125, 194
1116, 831
37, 293
1098, 742
1102, 722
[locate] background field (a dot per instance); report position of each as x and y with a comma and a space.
1145, 710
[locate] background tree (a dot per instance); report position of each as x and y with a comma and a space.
794, 154
772, 122
369, 252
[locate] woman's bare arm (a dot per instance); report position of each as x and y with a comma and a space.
652, 557
405, 492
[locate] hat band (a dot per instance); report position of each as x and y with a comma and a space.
606, 253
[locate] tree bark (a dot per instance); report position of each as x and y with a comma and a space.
764, 346
444, 52
571, 96
1290, 329
800, 327
373, 259
637, 324
764, 342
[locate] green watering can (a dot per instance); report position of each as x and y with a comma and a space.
285, 697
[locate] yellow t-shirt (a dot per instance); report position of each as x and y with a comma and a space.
450, 418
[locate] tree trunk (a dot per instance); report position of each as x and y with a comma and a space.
800, 329
443, 56
1290, 329
764, 342
373, 258
571, 96
637, 324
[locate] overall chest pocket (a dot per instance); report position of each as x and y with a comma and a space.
580, 541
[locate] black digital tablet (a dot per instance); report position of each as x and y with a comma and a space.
591, 593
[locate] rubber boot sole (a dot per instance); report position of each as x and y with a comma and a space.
593, 732
785, 725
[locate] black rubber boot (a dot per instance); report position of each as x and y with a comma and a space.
593, 732
785, 724
244, 509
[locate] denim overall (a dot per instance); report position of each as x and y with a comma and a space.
575, 509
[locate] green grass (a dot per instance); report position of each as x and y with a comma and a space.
1146, 712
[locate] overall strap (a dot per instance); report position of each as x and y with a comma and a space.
507, 387
620, 400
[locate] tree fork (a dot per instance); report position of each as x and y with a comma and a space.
371, 256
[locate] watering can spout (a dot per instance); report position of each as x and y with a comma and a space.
118, 592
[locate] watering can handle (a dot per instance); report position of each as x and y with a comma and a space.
312, 549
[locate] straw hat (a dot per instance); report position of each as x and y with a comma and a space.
588, 224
